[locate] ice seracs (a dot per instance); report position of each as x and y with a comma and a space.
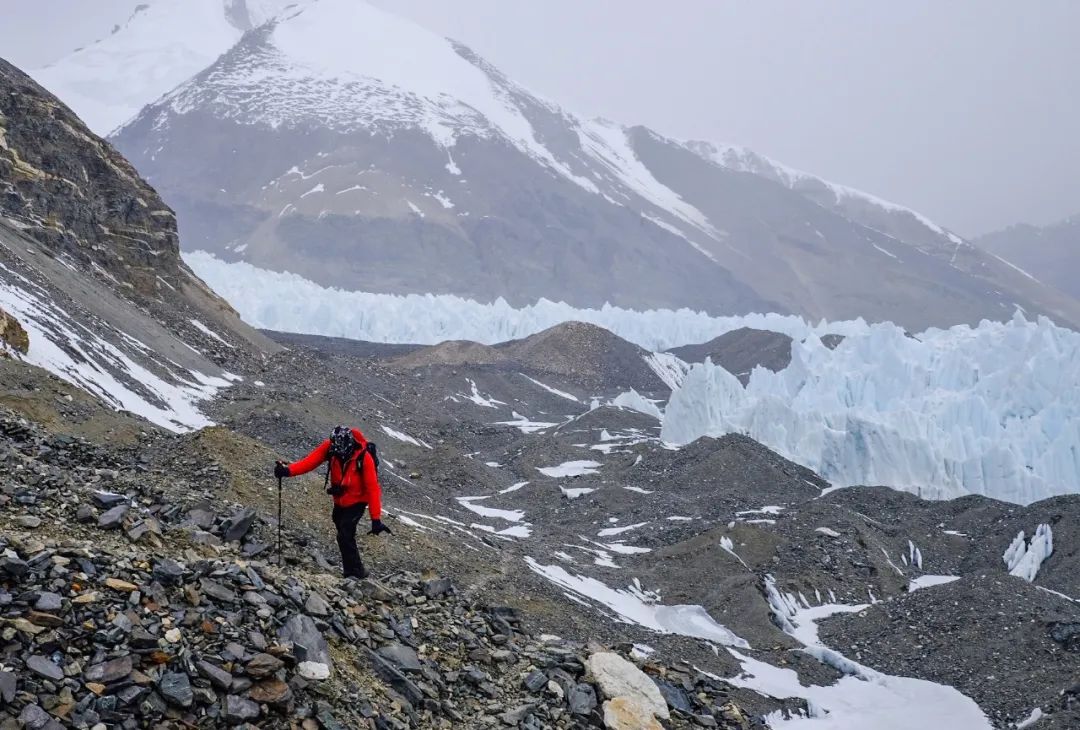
1024, 558
986, 410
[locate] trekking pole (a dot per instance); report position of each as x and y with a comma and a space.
279, 522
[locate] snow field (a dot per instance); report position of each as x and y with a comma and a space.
863, 698
81, 357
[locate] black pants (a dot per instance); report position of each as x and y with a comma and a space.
345, 520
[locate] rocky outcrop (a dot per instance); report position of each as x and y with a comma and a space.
78, 196
12, 334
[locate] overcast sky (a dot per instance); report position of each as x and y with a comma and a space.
967, 110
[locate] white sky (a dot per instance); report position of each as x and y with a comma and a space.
966, 110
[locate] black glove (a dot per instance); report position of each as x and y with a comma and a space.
378, 527
281, 470
336, 490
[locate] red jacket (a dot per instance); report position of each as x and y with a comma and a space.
361, 485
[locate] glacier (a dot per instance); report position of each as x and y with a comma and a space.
988, 410
290, 303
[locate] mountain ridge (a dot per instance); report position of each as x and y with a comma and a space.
297, 144
1048, 253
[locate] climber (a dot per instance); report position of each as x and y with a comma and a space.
352, 479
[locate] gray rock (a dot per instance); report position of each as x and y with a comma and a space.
263, 665
515, 716
216, 590
201, 537
113, 518
8, 686
201, 518
582, 699
309, 643
85, 514
34, 718
13, 567
239, 710
44, 667
535, 681
376, 590
238, 525
217, 676
109, 671
437, 587
49, 602
398, 681
326, 717
175, 687
28, 521
676, 698
316, 605
168, 571
401, 656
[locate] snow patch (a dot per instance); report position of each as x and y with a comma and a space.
553, 391
404, 437
926, 581
570, 469
514, 515
633, 605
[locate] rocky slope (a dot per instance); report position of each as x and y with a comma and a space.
302, 143
1050, 254
124, 605
90, 266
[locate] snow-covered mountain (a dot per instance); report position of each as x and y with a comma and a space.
1050, 254
159, 46
349, 146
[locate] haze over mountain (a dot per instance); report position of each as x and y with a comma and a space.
1049, 253
340, 133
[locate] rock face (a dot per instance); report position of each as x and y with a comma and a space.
618, 678
91, 278
78, 196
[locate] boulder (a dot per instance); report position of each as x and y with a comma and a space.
12, 334
625, 713
617, 677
